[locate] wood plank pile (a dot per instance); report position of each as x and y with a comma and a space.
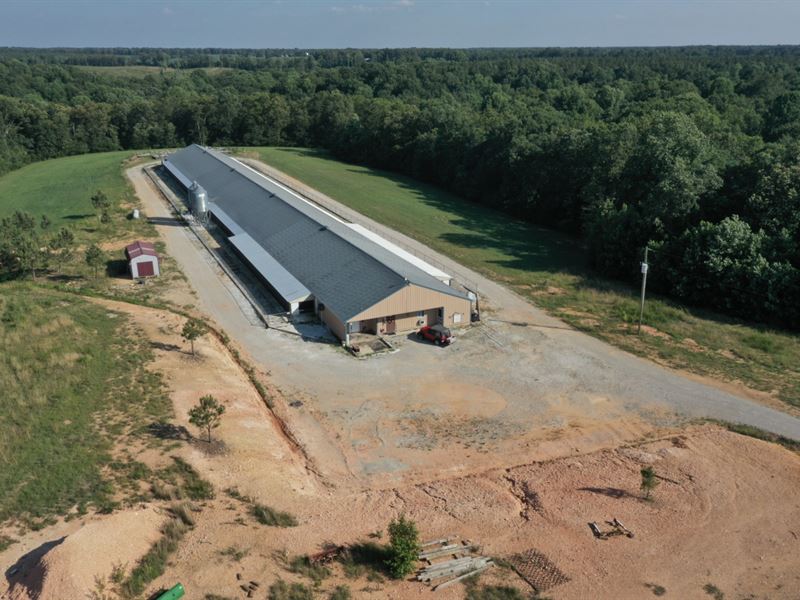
617, 528
449, 561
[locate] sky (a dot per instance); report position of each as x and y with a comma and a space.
396, 23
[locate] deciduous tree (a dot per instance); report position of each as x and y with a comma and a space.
192, 330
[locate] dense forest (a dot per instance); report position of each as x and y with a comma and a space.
693, 152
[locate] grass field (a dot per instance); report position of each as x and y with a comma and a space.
74, 383
551, 269
62, 188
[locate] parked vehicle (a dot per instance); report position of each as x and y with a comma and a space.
438, 334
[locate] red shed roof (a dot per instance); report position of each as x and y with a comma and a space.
138, 248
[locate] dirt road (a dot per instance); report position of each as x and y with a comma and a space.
501, 393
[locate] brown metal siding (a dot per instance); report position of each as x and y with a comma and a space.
406, 303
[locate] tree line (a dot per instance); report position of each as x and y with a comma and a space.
693, 152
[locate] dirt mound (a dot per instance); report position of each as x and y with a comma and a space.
69, 567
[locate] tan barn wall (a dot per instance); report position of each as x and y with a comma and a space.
406, 303
332, 321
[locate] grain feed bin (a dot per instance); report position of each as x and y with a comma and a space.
198, 200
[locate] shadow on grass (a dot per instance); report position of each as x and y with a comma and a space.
116, 267
366, 558
168, 431
165, 347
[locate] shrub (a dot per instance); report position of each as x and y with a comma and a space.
274, 518
280, 590
342, 592
301, 565
403, 547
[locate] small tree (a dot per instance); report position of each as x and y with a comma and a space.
94, 258
403, 547
207, 414
649, 481
193, 329
62, 246
101, 203
22, 247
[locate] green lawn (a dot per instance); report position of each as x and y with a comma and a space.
62, 188
551, 269
74, 384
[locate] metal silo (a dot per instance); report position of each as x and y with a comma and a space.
198, 200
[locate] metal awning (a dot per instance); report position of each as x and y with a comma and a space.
185, 181
283, 282
223, 218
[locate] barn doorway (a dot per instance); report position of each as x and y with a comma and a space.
391, 326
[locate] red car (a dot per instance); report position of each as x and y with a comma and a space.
438, 334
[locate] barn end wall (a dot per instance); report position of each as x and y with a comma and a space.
406, 303
133, 265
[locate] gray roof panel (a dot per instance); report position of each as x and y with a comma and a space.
343, 269
270, 269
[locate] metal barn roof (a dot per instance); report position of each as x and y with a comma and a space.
406, 256
138, 248
342, 269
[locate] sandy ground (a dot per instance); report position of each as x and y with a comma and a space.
67, 566
714, 519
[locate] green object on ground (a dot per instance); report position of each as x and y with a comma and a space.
173, 593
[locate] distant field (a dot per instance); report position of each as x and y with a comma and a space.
550, 268
73, 382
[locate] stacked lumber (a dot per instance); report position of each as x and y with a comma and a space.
449, 561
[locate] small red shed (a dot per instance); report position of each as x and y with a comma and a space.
142, 260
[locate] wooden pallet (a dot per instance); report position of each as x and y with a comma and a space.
537, 570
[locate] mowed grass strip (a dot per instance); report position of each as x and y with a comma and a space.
552, 270
74, 383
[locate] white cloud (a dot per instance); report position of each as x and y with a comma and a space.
167, 11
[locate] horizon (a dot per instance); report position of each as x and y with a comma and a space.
377, 48
376, 24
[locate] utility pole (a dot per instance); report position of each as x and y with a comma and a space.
644, 285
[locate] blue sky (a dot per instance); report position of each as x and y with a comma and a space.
396, 23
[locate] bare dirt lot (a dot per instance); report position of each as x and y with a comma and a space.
724, 515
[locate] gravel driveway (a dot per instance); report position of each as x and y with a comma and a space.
520, 383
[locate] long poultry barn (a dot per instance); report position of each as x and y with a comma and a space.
312, 260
